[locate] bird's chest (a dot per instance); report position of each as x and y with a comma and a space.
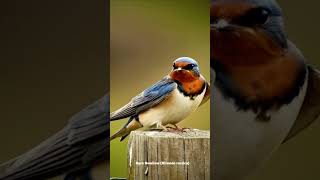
242, 143
172, 110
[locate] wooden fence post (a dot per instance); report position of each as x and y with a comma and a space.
156, 155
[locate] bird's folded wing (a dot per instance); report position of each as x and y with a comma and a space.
310, 109
206, 95
76, 146
91, 122
145, 100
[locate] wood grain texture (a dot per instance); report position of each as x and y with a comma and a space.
156, 155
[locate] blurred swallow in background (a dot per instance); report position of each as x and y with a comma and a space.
73, 151
263, 91
168, 101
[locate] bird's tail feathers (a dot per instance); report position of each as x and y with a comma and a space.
125, 131
119, 133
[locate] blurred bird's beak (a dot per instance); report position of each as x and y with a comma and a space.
221, 24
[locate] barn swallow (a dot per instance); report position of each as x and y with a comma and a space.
168, 101
263, 93
73, 151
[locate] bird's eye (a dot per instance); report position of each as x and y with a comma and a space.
174, 66
255, 16
189, 66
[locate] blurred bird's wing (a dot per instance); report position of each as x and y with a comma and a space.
206, 95
78, 146
310, 109
145, 100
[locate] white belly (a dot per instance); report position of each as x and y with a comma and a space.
241, 143
171, 111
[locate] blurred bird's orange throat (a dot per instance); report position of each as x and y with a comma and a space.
258, 67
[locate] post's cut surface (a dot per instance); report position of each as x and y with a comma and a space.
156, 155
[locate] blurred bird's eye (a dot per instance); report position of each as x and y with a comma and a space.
255, 16
261, 15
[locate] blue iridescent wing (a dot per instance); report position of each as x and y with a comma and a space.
145, 100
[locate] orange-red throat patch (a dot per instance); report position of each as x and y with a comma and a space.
190, 83
183, 76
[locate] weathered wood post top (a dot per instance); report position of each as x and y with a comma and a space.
154, 155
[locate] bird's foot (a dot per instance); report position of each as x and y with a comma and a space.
177, 128
174, 129
156, 129
159, 127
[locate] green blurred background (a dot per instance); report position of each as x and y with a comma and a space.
146, 37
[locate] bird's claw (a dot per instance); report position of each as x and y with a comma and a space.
178, 129
175, 129
156, 129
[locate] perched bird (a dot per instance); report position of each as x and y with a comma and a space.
168, 101
72, 151
263, 91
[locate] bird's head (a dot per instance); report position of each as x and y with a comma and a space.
246, 32
185, 69
250, 54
